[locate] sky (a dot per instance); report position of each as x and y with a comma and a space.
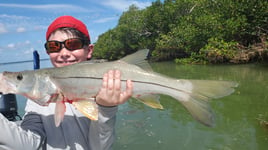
23, 23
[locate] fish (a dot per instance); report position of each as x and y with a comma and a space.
79, 83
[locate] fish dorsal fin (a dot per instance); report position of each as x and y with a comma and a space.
138, 58
151, 100
87, 107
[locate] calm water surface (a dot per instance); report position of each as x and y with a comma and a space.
237, 116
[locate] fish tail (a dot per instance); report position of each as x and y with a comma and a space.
195, 95
211, 89
201, 111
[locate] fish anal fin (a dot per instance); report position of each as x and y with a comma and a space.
87, 107
151, 100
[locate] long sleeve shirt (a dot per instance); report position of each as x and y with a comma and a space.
38, 130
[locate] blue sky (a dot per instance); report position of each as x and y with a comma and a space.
23, 23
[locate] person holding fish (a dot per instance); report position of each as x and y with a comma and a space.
75, 90
68, 42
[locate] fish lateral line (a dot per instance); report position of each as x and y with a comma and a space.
124, 80
56, 77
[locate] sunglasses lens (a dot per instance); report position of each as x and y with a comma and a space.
53, 46
73, 44
70, 44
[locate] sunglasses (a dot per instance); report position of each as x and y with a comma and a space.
70, 44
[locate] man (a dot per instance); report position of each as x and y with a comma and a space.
68, 42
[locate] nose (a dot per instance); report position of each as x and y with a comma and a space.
64, 53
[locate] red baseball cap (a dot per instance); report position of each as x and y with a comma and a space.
67, 21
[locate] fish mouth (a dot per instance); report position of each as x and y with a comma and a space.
6, 86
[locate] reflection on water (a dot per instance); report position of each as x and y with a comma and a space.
237, 126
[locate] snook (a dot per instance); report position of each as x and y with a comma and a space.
80, 82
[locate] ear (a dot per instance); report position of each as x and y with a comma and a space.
90, 51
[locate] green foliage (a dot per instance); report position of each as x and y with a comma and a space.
219, 51
107, 44
181, 28
195, 58
216, 51
126, 38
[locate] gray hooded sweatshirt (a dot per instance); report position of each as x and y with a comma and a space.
76, 132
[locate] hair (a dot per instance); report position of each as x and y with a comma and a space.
75, 33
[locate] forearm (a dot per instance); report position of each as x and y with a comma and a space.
13, 137
102, 131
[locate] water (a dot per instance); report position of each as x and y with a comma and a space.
237, 116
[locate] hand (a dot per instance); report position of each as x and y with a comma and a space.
111, 93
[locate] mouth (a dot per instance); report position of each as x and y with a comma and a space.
67, 62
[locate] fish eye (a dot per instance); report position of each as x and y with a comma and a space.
19, 77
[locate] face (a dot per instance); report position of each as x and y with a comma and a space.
65, 57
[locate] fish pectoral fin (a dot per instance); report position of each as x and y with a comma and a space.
59, 112
87, 107
151, 100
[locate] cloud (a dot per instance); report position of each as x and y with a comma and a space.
13, 23
14, 17
17, 45
21, 29
47, 7
11, 45
39, 27
27, 42
103, 20
123, 5
19, 24
28, 51
2, 28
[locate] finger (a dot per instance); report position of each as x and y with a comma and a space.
117, 85
129, 88
110, 82
105, 80
128, 93
117, 80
